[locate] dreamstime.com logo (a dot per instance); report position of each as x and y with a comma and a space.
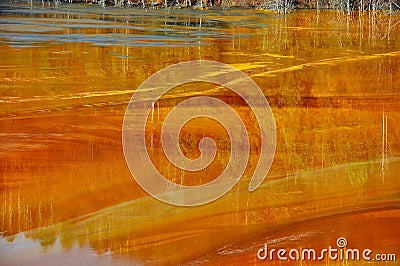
143, 102
340, 252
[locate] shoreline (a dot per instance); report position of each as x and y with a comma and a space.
273, 6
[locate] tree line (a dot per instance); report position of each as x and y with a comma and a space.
280, 6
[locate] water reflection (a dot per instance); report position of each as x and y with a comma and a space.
332, 82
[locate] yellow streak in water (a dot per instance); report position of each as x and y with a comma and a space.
327, 62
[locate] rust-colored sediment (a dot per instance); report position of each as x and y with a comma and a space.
332, 84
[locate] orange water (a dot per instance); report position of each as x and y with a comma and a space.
67, 74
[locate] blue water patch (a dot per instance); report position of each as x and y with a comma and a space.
39, 24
